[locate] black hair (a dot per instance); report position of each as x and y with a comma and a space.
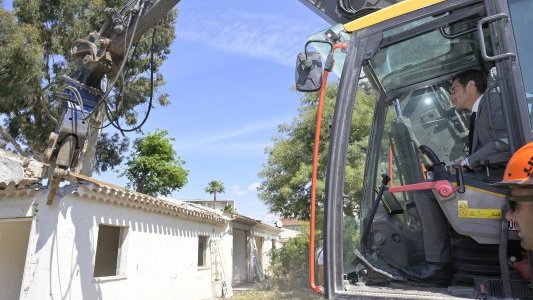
479, 78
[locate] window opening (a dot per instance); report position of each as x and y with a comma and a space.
202, 251
109, 248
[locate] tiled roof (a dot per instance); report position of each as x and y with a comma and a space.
292, 222
121, 196
20, 187
21, 183
93, 189
249, 221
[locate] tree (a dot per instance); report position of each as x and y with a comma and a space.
214, 187
153, 167
109, 151
286, 177
289, 266
35, 44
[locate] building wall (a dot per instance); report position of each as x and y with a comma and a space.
218, 204
246, 237
159, 258
239, 255
264, 246
14, 234
221, 249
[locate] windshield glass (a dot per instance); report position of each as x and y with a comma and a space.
521, 11
395, 65
422, 116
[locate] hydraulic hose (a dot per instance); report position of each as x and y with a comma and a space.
316, 148
317, 289
430, 154
370, 216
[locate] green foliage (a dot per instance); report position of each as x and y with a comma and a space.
21, 68
290, 264
35, 44
20, 60
109, 151
214, 187
229, 209
350, 240
286, 178
153, 167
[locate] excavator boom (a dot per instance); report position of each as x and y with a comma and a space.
101, 54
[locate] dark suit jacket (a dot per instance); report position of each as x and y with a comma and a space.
490, 136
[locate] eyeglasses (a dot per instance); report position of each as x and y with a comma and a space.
513, 202
452, 89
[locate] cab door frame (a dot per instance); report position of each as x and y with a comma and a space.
509, 75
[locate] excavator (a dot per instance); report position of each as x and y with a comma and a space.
405, 54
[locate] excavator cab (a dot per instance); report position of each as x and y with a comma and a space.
405, 56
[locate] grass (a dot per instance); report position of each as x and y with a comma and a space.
259, 294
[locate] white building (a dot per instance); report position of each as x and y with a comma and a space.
252, 243
93, 240
215, 204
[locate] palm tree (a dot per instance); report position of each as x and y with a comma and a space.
214, 187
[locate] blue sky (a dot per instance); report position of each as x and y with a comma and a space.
229, 77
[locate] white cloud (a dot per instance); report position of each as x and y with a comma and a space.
270, 218
216, 140
277, 38
253, 187
233, 133
238, 191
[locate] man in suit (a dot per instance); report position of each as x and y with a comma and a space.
487, 144
487, 137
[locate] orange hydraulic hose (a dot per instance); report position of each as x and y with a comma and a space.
323, 87
315, 288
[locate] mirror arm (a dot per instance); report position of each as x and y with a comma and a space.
316, 41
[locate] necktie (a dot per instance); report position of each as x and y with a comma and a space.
471, 129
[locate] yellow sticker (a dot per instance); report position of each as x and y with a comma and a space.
463, 211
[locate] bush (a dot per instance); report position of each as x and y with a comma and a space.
290, 264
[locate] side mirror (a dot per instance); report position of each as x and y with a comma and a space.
308, 73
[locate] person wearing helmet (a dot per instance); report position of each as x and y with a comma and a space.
518, 176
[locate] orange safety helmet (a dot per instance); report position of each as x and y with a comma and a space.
519, 170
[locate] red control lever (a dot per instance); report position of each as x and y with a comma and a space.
443, 187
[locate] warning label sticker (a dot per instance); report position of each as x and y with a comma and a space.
463, 211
